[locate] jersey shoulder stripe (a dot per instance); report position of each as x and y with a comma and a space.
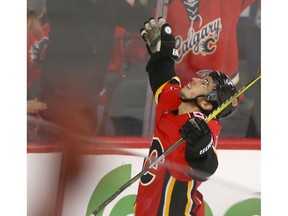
173, 80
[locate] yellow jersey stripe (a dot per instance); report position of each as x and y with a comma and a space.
189, 198
159, 90
168, 194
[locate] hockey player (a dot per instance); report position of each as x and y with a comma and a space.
170, 187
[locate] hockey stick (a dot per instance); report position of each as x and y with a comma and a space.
175, 145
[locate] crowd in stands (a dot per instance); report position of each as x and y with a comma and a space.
86, 61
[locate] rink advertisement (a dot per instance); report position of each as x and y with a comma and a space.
234, 189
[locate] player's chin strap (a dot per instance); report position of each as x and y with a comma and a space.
195, 101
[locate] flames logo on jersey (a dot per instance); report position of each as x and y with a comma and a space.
202, 42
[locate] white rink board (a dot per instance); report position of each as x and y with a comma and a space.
237, 178
95, 168
43, 171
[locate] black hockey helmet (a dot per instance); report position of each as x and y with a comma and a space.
224, 89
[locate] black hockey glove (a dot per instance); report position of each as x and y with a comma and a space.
159, 38
198, 138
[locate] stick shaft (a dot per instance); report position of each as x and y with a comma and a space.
135, 178
171, 148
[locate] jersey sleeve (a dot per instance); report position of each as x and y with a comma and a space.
198, 169
160, 70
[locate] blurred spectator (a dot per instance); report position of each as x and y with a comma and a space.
125, 86
34, 106
81, 39
37, 42
80, 44
249, 39
37, 39
206, 35
116, 69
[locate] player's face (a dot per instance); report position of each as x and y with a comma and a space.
198, 86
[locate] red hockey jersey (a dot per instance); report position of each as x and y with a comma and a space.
205, 33
167, 189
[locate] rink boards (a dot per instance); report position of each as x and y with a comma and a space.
234, 189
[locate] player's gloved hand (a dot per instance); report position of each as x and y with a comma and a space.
198, 138
159, 38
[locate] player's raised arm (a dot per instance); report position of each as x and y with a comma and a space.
160, 44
